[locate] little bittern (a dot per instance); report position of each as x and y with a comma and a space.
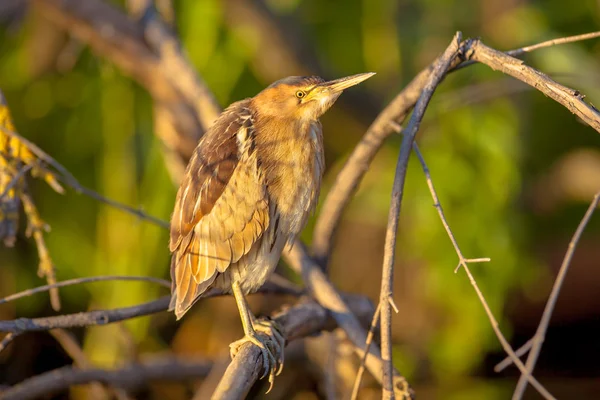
248, 189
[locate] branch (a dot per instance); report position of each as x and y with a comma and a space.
103, 317
540, 334
77, 281
553, 42
463, 262
363, 154
305, 319
387, 277
361, 368
325, 294
130, 377
569, 98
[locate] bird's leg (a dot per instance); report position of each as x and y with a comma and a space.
269, 343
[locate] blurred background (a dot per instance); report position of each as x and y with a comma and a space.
514, 171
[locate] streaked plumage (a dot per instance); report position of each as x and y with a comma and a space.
248, 189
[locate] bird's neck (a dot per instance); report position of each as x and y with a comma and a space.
292, 155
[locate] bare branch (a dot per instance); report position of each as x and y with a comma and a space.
103, 317
325, 294
361, 368
463, 262
387, 277
7, 339
519, 352
306, 318
78, 281
130, 377
571, 99
363, 154
540, 334
553, 42
97, 317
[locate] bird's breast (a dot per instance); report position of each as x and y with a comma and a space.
296, 178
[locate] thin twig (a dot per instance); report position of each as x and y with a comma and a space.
387, 277
540, 334
78, 281
7, 339
361, 368
120, 206
321, 289
178, 70
553, 42
15, 179
463, 262
519, 352
129, 377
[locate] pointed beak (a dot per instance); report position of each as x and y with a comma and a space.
344, 83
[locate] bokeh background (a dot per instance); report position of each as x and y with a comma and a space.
514, 171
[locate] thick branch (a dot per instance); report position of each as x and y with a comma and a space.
306, 318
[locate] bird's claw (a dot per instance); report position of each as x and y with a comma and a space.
275, 331
269, 339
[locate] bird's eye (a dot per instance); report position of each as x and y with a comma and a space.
300, 94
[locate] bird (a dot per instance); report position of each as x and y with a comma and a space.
247, 191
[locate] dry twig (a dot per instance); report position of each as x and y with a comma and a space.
78, 281
540, 334
361, 368
463, 262
571, 99
325, 294
387, 278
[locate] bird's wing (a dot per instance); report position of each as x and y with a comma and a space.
221, 209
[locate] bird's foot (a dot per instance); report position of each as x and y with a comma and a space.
268, 337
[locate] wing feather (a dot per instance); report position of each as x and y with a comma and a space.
221, 210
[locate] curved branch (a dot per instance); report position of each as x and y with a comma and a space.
356, 166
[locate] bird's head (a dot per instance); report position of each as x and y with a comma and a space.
303, 97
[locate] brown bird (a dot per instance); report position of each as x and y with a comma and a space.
248, 189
